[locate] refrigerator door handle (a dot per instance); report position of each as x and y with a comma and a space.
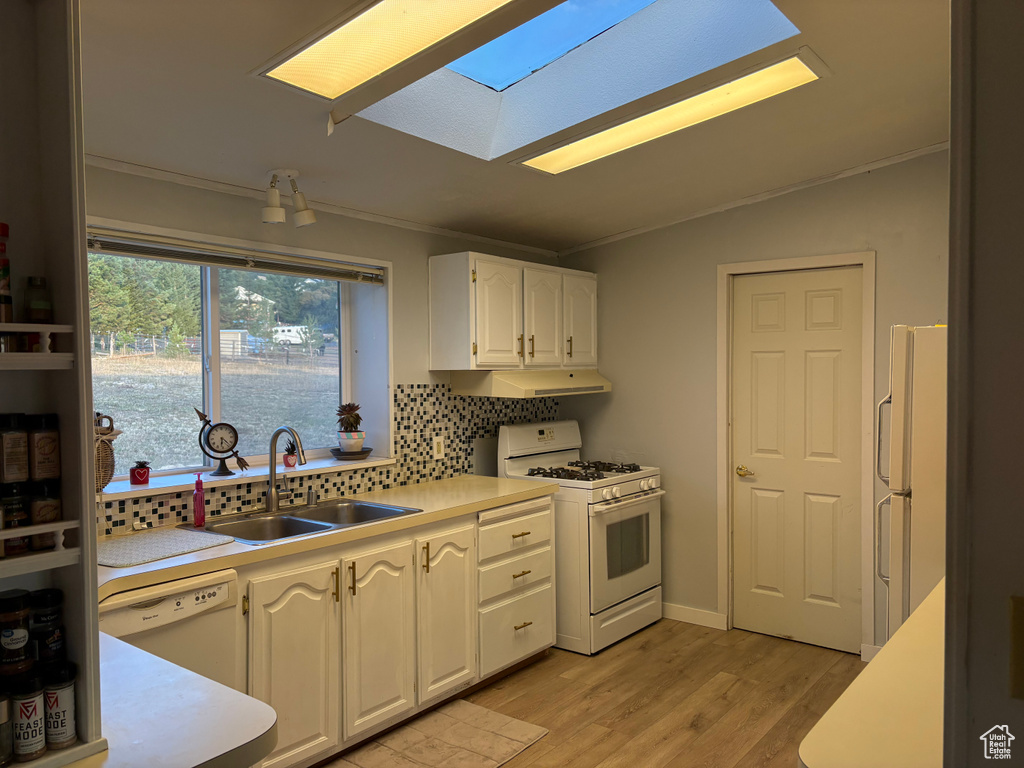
878, 539
887, 400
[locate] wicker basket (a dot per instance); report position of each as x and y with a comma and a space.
105, 434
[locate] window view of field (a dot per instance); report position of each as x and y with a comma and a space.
277, 342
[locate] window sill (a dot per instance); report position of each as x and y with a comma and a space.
185, 481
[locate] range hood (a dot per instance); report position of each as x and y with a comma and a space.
529, 384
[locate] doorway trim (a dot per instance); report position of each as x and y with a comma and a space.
726, 274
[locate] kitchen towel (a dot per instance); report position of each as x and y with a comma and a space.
458, 734
156, 544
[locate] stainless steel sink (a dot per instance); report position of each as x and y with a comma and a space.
266, 528
344, 513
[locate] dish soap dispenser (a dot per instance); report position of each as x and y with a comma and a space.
199, 503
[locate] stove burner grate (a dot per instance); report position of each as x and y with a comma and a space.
605, 466
566, 473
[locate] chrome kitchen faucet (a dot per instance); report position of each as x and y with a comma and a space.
273, 496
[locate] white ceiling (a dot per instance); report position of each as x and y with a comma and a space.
167, 86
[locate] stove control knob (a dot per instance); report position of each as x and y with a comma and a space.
655, 482
606, 493
616, 492
645, 485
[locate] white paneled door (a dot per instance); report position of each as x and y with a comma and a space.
796, 413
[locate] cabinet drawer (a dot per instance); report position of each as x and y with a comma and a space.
520, 573
515, 535
502, 644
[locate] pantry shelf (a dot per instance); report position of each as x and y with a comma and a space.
36, 361
35, 328
38, 561
16, 565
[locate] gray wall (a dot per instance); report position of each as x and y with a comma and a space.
114, 195
657, 328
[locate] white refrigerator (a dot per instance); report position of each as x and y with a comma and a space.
913, 466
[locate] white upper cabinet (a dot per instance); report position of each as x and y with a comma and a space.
499, 305
542, 317
580, 320
488, 313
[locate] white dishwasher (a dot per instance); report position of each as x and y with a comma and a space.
194, 623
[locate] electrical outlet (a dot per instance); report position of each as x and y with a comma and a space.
438, 448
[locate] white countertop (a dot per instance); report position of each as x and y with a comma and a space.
891, 715
439, 500
158, 715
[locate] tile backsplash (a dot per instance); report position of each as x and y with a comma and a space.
422, 412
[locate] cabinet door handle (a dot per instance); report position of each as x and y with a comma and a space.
521, 345
569, 342
337, 584
522, 626
532, 346
521, 534
426, 557
352, 587
520, 575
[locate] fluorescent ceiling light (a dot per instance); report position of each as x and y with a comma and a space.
757, 86
375, 41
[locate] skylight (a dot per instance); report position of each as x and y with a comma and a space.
519, 53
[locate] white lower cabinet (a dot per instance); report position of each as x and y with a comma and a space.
294, 653
348, 641
517, 628
446, 611
517, 599
379, 653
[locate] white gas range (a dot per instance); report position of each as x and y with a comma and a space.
607, 533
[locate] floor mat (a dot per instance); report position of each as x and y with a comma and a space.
459, 734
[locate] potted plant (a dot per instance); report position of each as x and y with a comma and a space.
350, 439
139, 474
290, 452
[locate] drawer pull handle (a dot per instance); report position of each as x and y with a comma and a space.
522, 626
520, 575
521, 534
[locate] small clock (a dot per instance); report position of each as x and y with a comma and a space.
219, 442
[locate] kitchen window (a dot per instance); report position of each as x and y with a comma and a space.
252, 338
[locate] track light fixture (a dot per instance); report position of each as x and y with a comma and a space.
273, 213
303, 216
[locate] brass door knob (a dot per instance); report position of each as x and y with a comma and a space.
742, 471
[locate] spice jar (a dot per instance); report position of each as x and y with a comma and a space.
44, 507
43, 447
14, 632
38, 306
13, 448
29, 718
6, 731
59, 686
46, 625
14, 505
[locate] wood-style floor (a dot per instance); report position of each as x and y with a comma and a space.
674, 694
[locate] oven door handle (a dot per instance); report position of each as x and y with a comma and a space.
629, 501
